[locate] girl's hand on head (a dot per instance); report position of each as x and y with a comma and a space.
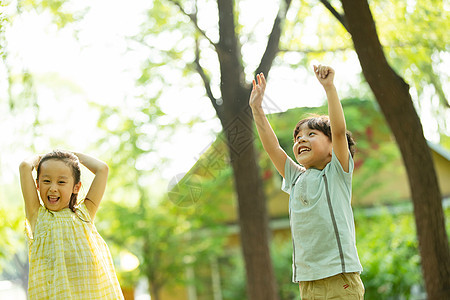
325, 75
32, 162
36, 160
257, 95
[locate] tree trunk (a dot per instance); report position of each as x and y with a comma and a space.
253, 217
392, 94
154, 290
235, 116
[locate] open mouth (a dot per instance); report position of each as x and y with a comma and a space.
302, 150
52, 199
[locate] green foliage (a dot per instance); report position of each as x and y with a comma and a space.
13, 249
169, 38
155, 236
233, 272
282, 261
233, 276
376, 152
413, 34
165, 235
132, 216
21, 84
11, 224
375, 149
62, 10
3, 21
389, 254
388, 250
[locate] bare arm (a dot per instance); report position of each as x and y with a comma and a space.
98, 185
325, 75
29, 190
268, 138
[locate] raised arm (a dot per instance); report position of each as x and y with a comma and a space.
98, 185
29, 190
268, 138
325, 75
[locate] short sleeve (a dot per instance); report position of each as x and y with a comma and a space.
337, 167
83, 213
291, 173
28, 231
27, 228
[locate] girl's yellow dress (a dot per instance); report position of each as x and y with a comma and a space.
69, 259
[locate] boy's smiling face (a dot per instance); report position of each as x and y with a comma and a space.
312, 148
56, 184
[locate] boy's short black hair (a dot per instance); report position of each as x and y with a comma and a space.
322, 123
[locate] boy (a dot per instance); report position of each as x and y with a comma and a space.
325, 259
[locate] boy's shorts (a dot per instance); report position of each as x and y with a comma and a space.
340, 286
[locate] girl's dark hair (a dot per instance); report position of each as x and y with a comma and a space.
322, 123
70, 160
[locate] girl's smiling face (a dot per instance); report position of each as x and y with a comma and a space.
312, 148
56, 184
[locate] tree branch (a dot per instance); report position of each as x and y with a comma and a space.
273, 42
392, 94
205, 78
316, 51
193, 18
201, 72
198, 67
341, 49
339, 17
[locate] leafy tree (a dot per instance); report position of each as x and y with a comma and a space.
393, 269
167, 238
226, 39
231, 108
412, 35
20, 85
13, 250
20, 77
388, 247
402, 118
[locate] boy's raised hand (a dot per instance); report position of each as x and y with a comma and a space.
324, 74
257, 95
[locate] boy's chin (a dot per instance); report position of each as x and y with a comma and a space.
299, 161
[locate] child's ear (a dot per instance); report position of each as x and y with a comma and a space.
76, 188
37, 184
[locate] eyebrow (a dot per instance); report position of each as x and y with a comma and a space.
306, 130
60, 177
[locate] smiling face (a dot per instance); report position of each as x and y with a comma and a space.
312, 148
56, 184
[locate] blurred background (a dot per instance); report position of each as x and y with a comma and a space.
138, 85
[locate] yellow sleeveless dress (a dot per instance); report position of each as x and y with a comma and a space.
69, 259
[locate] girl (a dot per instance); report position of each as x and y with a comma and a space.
68, 258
